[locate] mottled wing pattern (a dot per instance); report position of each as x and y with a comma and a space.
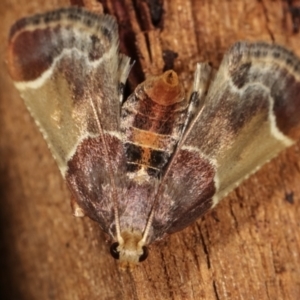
159, 162
67, 67
250, 114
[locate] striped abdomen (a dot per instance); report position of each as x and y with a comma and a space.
151, 121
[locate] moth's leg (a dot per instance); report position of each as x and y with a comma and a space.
202, 79
124, 69
76, 209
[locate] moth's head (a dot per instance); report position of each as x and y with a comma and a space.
130, 250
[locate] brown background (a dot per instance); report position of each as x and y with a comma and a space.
246, 248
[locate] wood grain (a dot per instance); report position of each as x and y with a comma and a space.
246, 248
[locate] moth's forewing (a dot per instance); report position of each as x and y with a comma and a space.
68, 70
251, 113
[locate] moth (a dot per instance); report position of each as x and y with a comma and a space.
149, 166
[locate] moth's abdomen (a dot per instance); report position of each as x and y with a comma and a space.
152, 120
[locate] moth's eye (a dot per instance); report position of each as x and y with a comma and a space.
114, 251
144, 255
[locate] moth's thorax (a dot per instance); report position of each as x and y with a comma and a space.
151, 122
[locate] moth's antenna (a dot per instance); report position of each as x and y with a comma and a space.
202, 79
114, 195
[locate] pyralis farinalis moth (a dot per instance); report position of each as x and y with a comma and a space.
151, 165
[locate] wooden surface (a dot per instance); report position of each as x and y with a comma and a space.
246, 248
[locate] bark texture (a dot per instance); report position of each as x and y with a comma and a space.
246, 248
